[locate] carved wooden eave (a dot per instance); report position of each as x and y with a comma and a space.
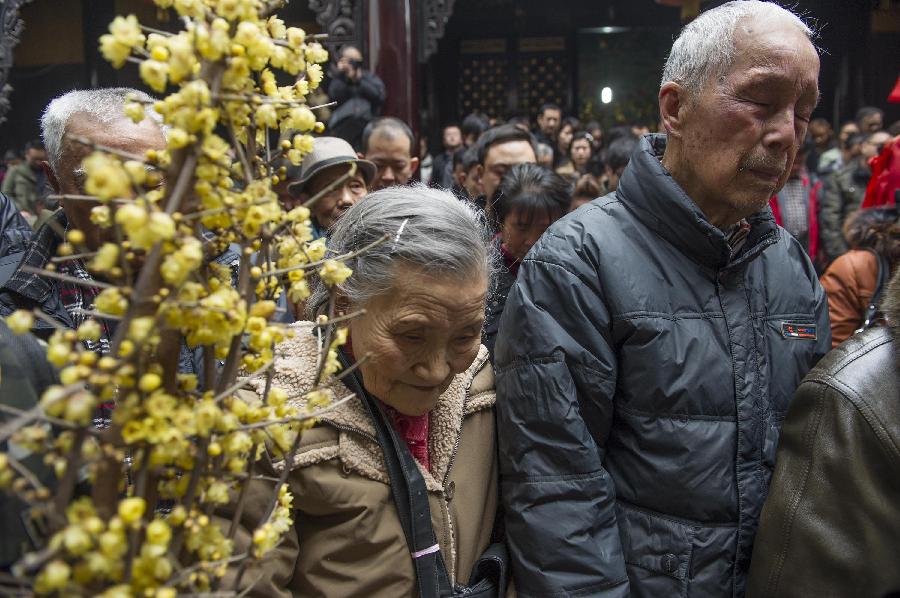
341, 20
433, 17
11, 27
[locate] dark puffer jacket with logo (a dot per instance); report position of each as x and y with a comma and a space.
643, 374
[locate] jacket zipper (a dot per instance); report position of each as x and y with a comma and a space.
450, 468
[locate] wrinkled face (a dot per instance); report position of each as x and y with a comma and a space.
872, 146
391, 155
122, 135
521, 230
740, 133
565, 137
418, 336
452, 138
581, 152
549, 122
871, 123
329, 207
499, 159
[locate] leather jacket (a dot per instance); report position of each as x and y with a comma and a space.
830, 526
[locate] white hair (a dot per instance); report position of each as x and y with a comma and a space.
427, 228
103, 105
705, 48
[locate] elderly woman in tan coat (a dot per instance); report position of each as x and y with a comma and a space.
423, 293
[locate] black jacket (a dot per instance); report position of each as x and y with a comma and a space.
830, 527
643, 373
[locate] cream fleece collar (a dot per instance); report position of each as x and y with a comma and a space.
358, 450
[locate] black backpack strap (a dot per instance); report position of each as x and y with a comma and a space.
884, 274
410, 497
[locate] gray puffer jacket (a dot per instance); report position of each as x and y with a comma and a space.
643, 373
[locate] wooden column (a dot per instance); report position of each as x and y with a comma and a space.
392, 47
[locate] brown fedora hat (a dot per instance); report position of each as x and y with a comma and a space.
327, 152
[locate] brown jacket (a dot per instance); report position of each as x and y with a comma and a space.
849, 282
347, 539
830, 527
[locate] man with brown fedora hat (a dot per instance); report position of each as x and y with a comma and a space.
329, 161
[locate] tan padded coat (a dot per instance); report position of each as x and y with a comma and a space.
347, 540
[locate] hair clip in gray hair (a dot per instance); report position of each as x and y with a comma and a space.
397, 236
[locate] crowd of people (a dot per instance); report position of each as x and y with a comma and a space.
623, 363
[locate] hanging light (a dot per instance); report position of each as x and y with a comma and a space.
606, 95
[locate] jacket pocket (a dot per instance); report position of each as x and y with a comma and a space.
657, 552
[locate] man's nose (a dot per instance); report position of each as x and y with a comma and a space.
347, 197
782, 130
388, 174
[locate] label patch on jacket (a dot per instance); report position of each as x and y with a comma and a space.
792, 330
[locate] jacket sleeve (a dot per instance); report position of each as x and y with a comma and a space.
830, 516
339, 90
556, 374
831, 215
845, 300
371, 87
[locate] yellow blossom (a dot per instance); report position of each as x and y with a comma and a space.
136, 170
111, 301
316, 53
302, 118
181, 57
177, 138
149, 382
314, 75
140, 328
53, 577
334, 272
155, 73
159, 533
295, 37
105, 177
127, 31
316, 250
266, 115
20, 321
89, 330
100, 216
114, 51
132, 509
303, 143
107, 257
276, 27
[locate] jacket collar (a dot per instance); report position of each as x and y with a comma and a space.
649, 191
358, 450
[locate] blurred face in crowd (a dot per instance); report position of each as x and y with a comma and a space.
581, 152
565, 138
848, 129
821, 134
452, 138
597, 134
873, 145
393, 159
418, 336
731, 144
871, 123
548, 121
612, 177
329, 207
35, 157
499, 158
123, 135
521, 229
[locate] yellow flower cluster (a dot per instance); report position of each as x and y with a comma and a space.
187, 437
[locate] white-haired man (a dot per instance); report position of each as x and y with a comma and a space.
653, 341
98, 115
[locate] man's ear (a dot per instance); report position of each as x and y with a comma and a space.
413, 165
51, 177
360, 155
479, 172
672, 102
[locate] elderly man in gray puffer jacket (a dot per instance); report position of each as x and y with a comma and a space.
653, 341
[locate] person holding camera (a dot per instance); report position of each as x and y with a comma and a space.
359, 94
